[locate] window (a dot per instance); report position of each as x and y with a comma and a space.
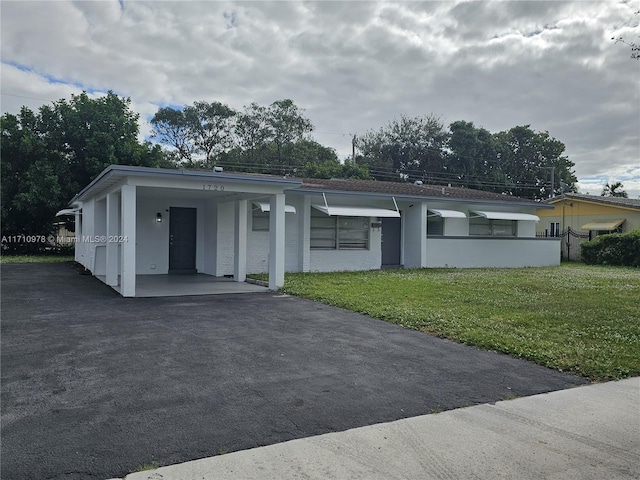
554, 229
435, 226
260, 221
480, 226
343, 233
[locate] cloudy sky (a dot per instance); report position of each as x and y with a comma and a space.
352, 66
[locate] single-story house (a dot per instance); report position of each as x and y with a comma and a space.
590, 215
133, 221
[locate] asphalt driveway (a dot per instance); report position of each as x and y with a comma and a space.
95, 385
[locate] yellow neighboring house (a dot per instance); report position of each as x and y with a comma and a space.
588, 215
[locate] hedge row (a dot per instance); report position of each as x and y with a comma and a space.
613, 249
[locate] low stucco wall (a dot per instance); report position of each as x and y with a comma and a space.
468, 252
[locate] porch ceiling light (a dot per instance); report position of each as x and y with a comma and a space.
158, 217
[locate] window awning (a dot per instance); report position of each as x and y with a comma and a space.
447, 213
266, 207
602, 225
344, 211
68, 211
507, 216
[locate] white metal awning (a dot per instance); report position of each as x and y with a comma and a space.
68, 211
447, 213
266, 207
603, 225
506, 216
344, 211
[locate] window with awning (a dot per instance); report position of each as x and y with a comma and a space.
445, 213
260, 215
335, 232
505, 215
348, 211
603, 225
68, 211
266, 207
436, 218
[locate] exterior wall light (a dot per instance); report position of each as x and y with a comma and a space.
158, 217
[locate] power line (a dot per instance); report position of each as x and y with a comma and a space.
24, 96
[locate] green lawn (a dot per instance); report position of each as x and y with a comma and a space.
35, 258
575, 318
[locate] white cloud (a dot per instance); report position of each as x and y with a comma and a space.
352, 65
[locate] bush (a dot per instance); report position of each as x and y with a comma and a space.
613, 249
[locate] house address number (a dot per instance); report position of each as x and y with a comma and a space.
212, 187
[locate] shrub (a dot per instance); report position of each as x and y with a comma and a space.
613, 249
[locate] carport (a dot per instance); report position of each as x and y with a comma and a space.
133, 223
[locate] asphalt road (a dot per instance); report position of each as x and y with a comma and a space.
95, 385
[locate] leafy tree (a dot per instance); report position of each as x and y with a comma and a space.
273, 139
287, 126
614, 190
525, 158
634, 46
472, 156
171, 127
49, 156
408, 148
252, 132
518, 161
335, 169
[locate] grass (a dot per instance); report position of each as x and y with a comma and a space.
35, 258
145, 468
575, 318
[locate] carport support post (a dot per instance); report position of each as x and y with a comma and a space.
113, 208
276, 242
240, 243
128, 254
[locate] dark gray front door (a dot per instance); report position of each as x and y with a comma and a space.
390, 242
182, 240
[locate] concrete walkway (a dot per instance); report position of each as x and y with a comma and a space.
588, 432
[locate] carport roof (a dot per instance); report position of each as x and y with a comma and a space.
114, 173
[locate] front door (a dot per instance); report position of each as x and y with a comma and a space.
182, 240
390, 242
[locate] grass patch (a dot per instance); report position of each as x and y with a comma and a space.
36, 258
575, 318
263, 277
145, 468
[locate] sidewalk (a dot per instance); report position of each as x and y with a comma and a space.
588, 432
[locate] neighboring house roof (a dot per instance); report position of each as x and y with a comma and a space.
112, 174
631, 203
411, 190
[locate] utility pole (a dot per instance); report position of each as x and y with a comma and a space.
353, 149
553, 174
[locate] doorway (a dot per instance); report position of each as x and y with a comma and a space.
391, 235
182, 240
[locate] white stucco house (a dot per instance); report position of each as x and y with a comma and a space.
137, 221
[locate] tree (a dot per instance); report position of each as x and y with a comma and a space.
252, 132
49, 156
634, 46
525, 159
287, 126
614, 190
199, 133
472, 157
406, 149
170, 127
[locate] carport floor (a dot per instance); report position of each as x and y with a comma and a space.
183, 285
